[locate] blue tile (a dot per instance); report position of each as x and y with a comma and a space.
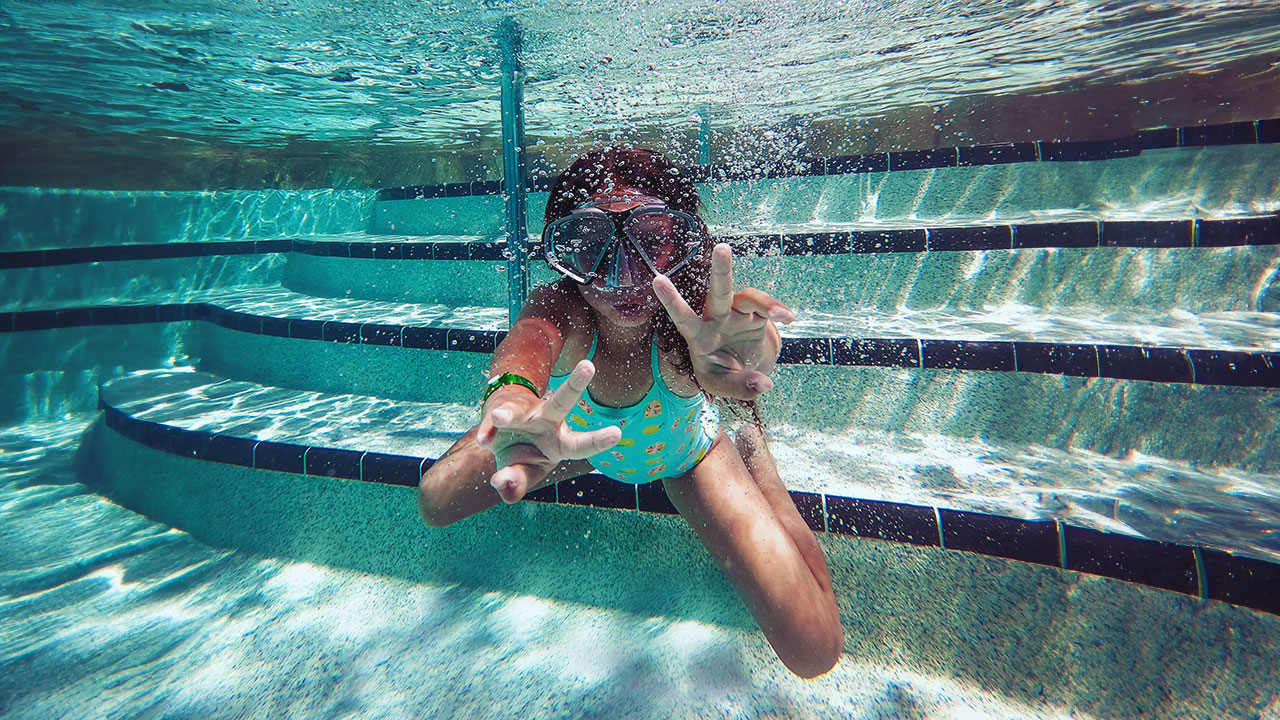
362, 250
1034, 541
282, 245
652, 497
1056, 358
923, 159
966, 355
425, 338
333, 248
877, 352
280, 457
204, 311
242, 322
21, 259
878, 241
276, 327
485, 251
125, 314
1128, 362
482, 341
388, 250
540, 183
1059, 235
991, 237
1082, 150
399, 470
1243, 581
450, 250
375, 334
544, 494
457, 189
486, 187
816, 244
884, 520
849, 164
231, 450
1147, 233
997, 154
332, 462
1158, 139
73, 317
754, 245
308, 247
597, 491
171, 312
805, 351
1237, 133
1268, 130
1243, 231
302, 329
418, 250
69, 256
398, 193
341, 332
6, 321
1226, 367
811, 508
697, 173
173, 440
1132, 559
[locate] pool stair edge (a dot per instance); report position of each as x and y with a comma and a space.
1203, 572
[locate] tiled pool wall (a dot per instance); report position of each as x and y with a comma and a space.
451, 211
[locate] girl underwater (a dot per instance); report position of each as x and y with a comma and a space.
622, 228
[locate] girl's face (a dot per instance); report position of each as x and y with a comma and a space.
630, 307
633, 307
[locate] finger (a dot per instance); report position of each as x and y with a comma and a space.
579, 445
755, 384
755, 300
681, 314
720, 290
512, 482
567, 395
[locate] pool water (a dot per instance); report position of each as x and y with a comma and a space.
253, 261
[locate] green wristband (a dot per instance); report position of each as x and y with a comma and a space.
498, 381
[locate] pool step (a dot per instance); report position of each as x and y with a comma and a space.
232, 422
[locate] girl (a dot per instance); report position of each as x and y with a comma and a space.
622, 227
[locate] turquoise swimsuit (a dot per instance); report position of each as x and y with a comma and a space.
663, 435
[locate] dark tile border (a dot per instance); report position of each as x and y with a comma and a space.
1235, 133
1259, 230
1199, 572
1119, 362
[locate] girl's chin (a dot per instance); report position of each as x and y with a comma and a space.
632, 311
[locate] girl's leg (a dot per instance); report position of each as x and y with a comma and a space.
457, 485
748, 526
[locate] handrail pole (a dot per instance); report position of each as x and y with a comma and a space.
513, 169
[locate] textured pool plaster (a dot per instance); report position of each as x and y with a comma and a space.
1032, 634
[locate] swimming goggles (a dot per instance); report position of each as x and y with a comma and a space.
589, 244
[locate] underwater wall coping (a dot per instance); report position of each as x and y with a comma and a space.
1120, 362
1182, 233
1206, 573
1247, 132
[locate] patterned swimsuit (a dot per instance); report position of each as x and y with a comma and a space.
663, 435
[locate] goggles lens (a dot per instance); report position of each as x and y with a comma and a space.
585, 245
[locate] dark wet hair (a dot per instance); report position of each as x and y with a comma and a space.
602, 171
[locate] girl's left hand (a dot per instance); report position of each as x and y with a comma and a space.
732, 345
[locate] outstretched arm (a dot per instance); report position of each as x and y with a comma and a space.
733, 343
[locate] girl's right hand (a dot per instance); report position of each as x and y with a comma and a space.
528, 435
